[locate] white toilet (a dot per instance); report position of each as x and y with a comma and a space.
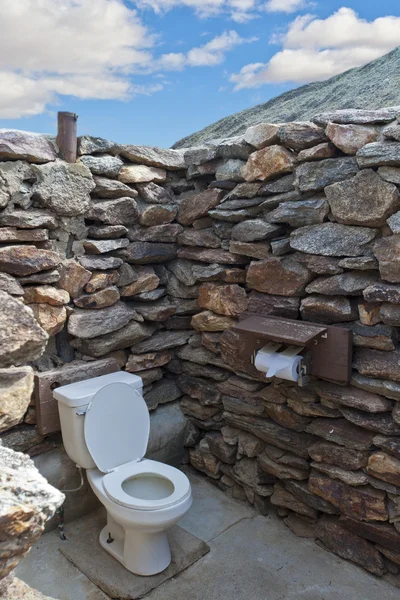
105, 427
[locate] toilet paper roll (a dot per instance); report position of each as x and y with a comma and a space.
280, 364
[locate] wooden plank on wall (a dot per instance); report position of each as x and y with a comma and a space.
47, 417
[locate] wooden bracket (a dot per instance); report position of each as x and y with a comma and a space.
330, 346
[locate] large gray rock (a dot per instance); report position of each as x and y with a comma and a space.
384, 387
278, 276
92, 323
111, 188
363, 200
16, 387
28, 501
262, 135
275, 306
358, 115
162, 340
321, 265
268, 163
163, 391
387, 251
232, 147
100, 263
392, 131
243, 190
319, 152
25, 260
178, 289
143, 253
22, 340
106, 165
231, 170
328, 309
155, 194
279, 186
332, 239
132, 333
122, 211
376, 363
88, 144
361, 263
196, 205
234, 216
102, 246
153, 156
141, 174
23, 145
167, 233
391, 174
254, 230
211, 255
394, 222
350, 138
151, 215
107, 232
301, 135
28, 219
351, 283
199, 237
15, 183
379, 154
64, 188
299, 214
382, 292
315, 176
10, 285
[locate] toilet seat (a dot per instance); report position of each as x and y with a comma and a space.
113, 482
117, 426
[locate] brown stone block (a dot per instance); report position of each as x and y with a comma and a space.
383, 534
350, 546
281, 497
384, 467
342, 432
362, 503
229, 300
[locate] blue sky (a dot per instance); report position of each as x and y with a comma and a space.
153, 71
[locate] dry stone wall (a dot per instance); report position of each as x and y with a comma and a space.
149, 257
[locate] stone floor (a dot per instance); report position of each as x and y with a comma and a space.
252, 557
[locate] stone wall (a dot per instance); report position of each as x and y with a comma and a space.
149, 257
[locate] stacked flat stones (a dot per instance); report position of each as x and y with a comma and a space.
149, 256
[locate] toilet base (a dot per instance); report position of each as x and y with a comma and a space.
141, 553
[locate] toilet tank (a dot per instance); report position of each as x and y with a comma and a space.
73, 400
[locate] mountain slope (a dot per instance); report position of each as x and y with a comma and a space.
374, 85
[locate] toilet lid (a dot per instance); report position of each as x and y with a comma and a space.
117, 426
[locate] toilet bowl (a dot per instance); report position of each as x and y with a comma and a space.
105, 425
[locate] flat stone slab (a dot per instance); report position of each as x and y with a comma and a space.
84, 551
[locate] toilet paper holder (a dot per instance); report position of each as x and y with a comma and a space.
326, 350
282, 354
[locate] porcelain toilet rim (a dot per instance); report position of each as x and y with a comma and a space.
112, 484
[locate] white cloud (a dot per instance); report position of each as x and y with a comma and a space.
87, 49
210, 54
286, 6
316, 49
240, 11
81, 48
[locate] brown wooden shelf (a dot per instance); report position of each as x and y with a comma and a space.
286, 331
